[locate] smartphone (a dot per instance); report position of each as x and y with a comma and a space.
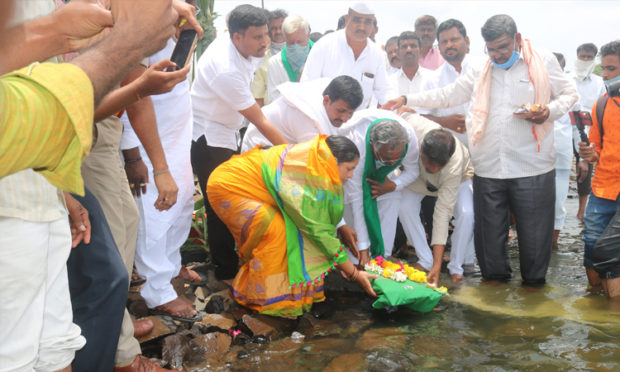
184, 49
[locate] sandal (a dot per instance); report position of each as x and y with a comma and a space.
173, 309
192, 277
136, 278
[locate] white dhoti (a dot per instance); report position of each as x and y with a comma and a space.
161, 234
37, 332
462, 236
387, 206
562, 178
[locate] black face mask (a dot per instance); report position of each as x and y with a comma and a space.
430, 187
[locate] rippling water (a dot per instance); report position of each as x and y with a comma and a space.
505, 327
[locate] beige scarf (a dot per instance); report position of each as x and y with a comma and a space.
538, 76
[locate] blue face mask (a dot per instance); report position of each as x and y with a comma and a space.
612, 80
379, 164
511, 61
297, 55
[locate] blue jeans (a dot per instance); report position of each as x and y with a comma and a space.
598, 214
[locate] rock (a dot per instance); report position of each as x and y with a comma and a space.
381, 338
336, 283
297, 337
238, 312
270, 327
391, 360
213, 344
348, 362
159, 329
215, 305
176, 348
217, 322
314, 327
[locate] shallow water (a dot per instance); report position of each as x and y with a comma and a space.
560, 327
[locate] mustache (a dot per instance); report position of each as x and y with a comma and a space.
394, 58
452, 49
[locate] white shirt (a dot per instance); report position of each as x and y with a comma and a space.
401, 85
355, 130
276, 75
332, 56
299, 114
222, 89
444, 75
507, 149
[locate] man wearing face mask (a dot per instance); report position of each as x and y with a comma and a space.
590, 88
602, 218
259, 83
351, 52
513, 154
287, 64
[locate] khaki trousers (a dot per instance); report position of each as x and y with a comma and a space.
105, 177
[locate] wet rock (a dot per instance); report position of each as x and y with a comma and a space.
270, 327
432, 346
219, 302
217, 322
238, 312
381, 338
297, 337
356, 327
391, 360
314, 327
348, 362
211, 344
336, 283
176, 348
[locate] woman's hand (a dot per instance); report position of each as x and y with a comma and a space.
363, 280
348, 236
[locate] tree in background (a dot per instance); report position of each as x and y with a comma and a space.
205, 17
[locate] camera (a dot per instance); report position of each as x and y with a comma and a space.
613, 89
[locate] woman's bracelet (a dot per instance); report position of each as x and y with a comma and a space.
155, 174
133, 160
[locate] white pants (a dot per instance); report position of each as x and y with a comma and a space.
159, 260
562, 177
387, 206
462, 237
37, 332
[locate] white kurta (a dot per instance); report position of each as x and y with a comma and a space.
276, 75
401, 85
332, 56
507, 148
299, 114
444, 75
355, 130
161, 234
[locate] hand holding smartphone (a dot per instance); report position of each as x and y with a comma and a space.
184, 49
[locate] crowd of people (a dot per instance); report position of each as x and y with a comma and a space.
314, 152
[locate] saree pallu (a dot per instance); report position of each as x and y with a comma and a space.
281, 205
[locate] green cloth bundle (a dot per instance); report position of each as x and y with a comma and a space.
413, 295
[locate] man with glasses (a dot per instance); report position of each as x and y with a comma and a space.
372, 196
512, 153
351, 52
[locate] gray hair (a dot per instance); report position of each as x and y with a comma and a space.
498, 25
388, 132
294, 23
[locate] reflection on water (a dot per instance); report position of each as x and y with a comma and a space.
480, 327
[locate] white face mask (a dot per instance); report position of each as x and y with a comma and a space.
277, 47
583, 69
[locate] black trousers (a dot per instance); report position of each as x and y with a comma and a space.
532, 201
98, 283
221, 242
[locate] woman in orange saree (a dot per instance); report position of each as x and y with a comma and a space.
282, 206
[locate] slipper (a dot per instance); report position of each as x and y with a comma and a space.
171, 309
136, 279
193, 277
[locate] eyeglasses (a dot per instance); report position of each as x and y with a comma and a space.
504, 50
384, 161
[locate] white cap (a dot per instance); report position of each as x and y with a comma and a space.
362, 8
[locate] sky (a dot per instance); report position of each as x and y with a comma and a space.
558, 26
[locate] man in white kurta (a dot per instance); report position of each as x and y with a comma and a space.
454, 48
288, 64
388, 203
307, 109
161, 234
351, 52
451, 184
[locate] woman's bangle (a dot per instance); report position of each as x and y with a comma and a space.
155, 174
133, 160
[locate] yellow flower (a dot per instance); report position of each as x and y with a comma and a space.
387, 273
